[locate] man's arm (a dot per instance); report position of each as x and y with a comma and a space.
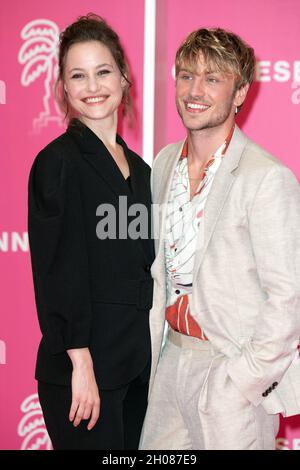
274, 224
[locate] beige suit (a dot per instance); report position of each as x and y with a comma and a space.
246, 280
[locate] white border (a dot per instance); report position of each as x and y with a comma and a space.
149, 80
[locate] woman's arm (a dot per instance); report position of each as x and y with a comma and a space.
85, 394
58, 251
60, 271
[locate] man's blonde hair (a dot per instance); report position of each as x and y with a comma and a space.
221, 49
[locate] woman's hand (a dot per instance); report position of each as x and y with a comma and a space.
85, 394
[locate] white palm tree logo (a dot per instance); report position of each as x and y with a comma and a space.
39, 54
31, 428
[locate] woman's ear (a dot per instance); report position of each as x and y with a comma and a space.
123, 81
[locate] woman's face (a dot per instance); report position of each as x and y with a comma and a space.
93, 81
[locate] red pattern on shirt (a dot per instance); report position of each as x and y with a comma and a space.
179, 318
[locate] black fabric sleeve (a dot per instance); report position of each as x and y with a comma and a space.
58, 251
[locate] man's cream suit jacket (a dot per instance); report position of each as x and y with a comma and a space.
246, 279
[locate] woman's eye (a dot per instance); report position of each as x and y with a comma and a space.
77, 75
103, 72
212, 80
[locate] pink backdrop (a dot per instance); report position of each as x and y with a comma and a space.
23, 133
29, 120
271, 114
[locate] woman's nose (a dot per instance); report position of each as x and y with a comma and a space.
92, 84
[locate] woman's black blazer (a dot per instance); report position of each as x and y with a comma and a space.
89, 292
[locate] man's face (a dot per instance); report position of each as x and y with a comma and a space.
205, 97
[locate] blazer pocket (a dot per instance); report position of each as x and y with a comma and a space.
124, 291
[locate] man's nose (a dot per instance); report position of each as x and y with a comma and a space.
197, 87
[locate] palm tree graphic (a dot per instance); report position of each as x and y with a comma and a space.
31, 428
39, 55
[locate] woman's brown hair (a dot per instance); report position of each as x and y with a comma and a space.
91, 28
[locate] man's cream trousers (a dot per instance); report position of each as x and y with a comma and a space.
195, 405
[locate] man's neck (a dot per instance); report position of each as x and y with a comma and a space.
203, 144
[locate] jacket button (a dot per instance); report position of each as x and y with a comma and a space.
177, 291
274, 385
147, 268
265, 394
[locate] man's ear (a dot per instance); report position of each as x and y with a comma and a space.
241, 94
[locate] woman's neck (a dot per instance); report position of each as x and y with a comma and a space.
105, 129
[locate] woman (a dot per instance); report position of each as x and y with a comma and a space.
91, 275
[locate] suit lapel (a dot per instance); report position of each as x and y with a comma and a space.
218, 194
98, 157
163, 197
140, 194
138, 191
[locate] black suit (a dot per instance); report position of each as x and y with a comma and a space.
90, 292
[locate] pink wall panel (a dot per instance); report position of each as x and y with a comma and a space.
272, 111
271, 114
29, 120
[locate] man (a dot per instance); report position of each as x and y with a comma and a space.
226, 274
